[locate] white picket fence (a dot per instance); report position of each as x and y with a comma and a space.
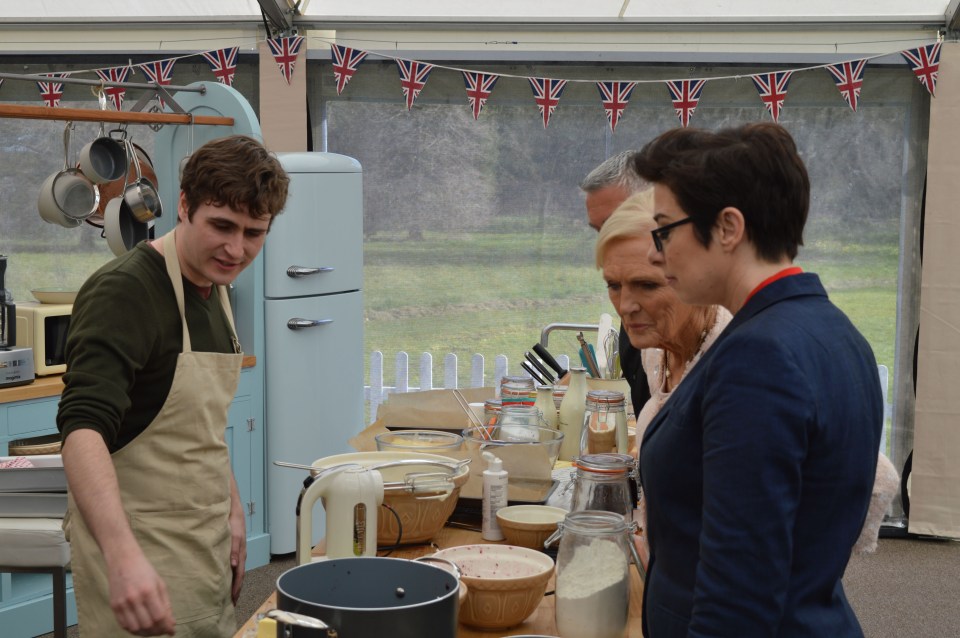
376, 392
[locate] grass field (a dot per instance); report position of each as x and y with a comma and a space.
491, 293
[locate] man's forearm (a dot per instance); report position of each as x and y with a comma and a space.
93, 484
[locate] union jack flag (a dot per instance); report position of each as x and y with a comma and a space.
223, 62
614, 97
685, 95
479, 87
285, 52
159, 72
546, 93
925, 63
849, 79
51, 92
345, 63
773, 90
413, 77
115, 93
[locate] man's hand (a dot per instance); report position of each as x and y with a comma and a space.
238, 542
138, 596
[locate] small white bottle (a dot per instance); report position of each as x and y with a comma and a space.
494, 497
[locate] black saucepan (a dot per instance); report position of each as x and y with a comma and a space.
367, 597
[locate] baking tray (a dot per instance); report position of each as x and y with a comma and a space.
34, 504
46, 476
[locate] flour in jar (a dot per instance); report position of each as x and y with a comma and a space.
593, 592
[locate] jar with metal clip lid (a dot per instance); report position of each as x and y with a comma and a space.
593, 578
517, 390
491, 412
603, 482
519, 422
604, 423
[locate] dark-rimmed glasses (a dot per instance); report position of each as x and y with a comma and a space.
662, 234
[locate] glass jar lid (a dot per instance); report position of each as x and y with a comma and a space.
605, 399
607, 463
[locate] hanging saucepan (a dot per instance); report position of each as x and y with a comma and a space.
367, 596
104, 159
67, 197
141, 196
122, 231
116, 187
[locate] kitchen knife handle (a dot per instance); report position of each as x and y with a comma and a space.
542, 369
549, 360
299, 324
303, 271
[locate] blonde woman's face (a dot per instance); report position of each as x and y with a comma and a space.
647, 306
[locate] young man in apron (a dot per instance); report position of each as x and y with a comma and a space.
155, 523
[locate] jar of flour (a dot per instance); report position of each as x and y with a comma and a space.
593, 580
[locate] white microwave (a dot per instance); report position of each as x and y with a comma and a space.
43, 327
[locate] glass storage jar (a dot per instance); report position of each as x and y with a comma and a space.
604, 423
519, 422
517, 390
603, 482
593, 580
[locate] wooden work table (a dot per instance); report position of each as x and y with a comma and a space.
52, 386
541, 622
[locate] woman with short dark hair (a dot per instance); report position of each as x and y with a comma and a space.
758, 470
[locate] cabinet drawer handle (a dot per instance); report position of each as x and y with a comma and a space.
303, 271
300, 324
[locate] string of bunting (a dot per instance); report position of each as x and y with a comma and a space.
685, 95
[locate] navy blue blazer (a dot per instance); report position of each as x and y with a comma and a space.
758, 472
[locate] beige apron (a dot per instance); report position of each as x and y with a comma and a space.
175, 481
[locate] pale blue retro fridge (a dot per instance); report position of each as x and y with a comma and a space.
313, 329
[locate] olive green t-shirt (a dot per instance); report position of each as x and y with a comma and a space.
122, 345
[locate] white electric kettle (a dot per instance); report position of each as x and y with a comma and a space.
352, 495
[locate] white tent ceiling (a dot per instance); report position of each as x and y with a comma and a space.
599, 30
684, 11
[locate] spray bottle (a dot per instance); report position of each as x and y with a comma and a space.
494, 496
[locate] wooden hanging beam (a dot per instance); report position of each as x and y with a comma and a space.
28, 112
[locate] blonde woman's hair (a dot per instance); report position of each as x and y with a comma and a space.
632, 219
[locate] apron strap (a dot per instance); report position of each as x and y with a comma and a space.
176, 278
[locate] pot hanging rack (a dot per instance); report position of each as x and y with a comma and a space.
134, 116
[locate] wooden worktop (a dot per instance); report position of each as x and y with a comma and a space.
52, 386
540, 622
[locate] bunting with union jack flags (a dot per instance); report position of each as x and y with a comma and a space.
115, 93
773, 90
285, 51
160, 72
413, 77
546, 93
223, 63
614, 96
479, 87
925, 64
685, 95
345, 63
51, 92
849, 79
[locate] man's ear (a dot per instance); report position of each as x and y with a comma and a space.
730, 228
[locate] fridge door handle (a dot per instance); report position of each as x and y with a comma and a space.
303, 271
299, 324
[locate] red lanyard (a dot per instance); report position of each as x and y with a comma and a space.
786, 272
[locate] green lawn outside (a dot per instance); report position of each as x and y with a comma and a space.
492, 292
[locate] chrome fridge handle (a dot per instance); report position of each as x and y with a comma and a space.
299, 324
303, 271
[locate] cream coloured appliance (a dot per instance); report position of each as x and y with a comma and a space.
43, 327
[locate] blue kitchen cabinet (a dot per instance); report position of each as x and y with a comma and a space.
26, 607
